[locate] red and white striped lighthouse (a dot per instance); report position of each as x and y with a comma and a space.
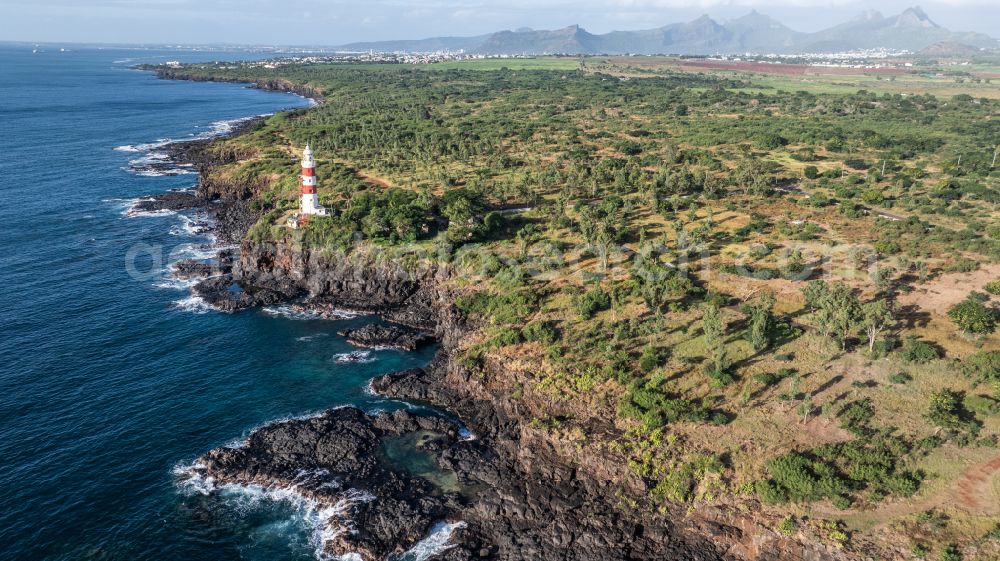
309, 200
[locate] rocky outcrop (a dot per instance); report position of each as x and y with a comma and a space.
171, 200
335, 461
359, 282
227, 296
377, 336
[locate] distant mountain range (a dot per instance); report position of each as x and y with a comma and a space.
753, 33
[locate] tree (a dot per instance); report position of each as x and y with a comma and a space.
844, 310
837, 309
714, 327
814, 292
751, 177
461, 207
876, 317
971, 316
603, 245
760, 321
947, 411
524, 237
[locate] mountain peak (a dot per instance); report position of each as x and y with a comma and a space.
914, 17
755, 18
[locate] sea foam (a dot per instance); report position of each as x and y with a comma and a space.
305, 313
324, 522
354, 357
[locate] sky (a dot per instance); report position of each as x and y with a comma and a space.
335, 22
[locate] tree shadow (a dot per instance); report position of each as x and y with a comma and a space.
913, 316
827, 385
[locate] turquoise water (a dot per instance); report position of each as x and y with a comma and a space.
108, 383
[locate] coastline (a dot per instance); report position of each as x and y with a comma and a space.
540, 501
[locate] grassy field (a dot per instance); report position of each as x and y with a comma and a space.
933, 80
541, 63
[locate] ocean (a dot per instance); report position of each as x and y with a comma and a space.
112, 378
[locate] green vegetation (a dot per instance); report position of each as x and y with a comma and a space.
640, 248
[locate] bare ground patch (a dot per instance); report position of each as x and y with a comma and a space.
948, 289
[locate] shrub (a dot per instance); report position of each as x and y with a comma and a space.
915, 350
950, 553
946, 410
962, 265
650, 359
900, 378
646, 402
855, 416
855, 163
971, 316
993, 287
500, 309
811, 172
984, 366
787, 526
886, 247
505, 337
770, 140
540, 332
795, 477
591, 302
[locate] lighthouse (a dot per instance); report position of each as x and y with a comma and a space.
309, 200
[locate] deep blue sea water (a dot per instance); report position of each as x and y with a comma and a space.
108, 382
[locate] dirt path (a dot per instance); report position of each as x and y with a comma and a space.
971, 492
974, 489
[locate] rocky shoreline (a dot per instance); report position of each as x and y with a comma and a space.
374, 336
337, 461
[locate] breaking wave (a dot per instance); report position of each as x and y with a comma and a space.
324, 522
196, 225
194, 304
291, 311
130, 208
307, 338
354, 357
438, 540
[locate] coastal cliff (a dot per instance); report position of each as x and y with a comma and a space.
277, 85
537, 494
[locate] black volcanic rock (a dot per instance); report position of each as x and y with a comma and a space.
334, 460
195, 269
391, 336
224, 294
171, 200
